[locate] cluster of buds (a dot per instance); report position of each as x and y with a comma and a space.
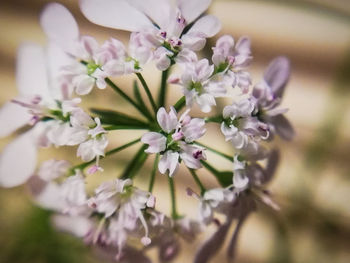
52, 81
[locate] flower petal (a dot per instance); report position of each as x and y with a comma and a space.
208, 25
31, 73
12, 117
213, 244
59, 25
158, 10
169, 161
283, 127
79, 226
191, 9
18, 161
167, 121
277, 75
155, 140
118, 14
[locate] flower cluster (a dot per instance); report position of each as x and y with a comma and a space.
52, 81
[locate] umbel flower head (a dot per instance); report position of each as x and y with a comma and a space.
120, 219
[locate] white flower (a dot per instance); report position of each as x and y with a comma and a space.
39, 98
73, 191
173, 142
213, 200
240, 178
53, 169
90, 136
198, 86
122, 203
241, 127
231, 60
162, 26
268, 95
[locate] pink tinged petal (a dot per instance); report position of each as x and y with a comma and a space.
192, 155
244, 81
243, 45
228, 131
49, 197
276, 111
59, 25
18, 161
205, 102
277, 75
31, 72
194, 42
283, 127
213, 244
169, 161
217, 89
161, 55
194, 130
207, 25
203, 70
156, 142
57, 58
240, 180
272, 164
12, 117
84, 84
232, 246
158, 10
167, 121
186, 56
79, 226
190, 10
118, 14
205, 212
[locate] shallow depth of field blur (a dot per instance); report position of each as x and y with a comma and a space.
312, 184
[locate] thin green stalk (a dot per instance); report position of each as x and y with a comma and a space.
224, 178
124, 127
163, 86
226, 156
153, 174
217, 119
180, 103
209, 167
148, 92
136, 163
198, 182
115, 150
174, 214
126, 97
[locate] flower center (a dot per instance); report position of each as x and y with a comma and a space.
197, 86
91, 67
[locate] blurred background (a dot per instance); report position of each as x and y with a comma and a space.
312, 184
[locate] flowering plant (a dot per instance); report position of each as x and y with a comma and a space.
53, 80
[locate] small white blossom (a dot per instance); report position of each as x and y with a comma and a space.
173, 142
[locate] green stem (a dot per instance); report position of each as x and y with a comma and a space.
124, 127
224, 178
198, 182
136, 163
180, 103
174, 214
148, 92
217, 119
209, 167
126, 97
226, 156
115, 150
153, 174
163, 85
